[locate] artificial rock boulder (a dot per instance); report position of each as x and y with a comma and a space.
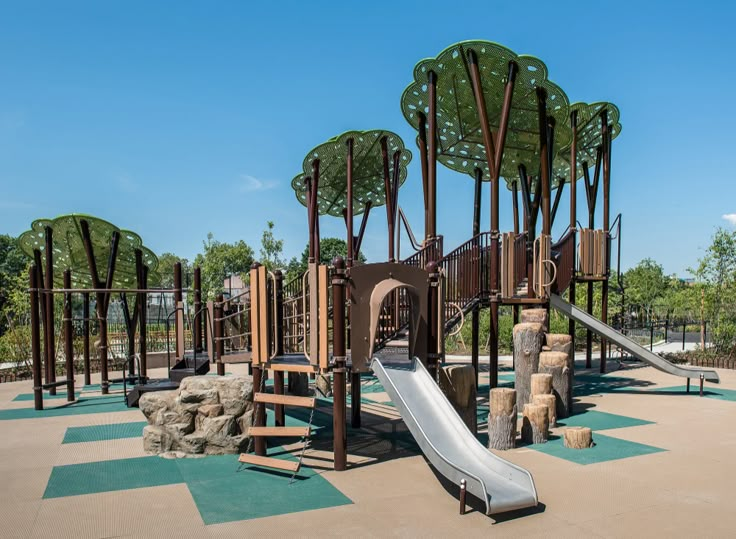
206, 415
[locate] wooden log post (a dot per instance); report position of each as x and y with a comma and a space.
578, 437
556, 365
550, 401
457, 382
535, 424
528, 339
541, 383
539, 316
502, 418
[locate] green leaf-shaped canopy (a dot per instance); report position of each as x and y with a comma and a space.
367, 170
460, 145
590, 137
69, 253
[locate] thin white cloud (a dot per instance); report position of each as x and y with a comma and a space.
730, 217
251, 184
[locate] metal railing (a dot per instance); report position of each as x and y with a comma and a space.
466, 274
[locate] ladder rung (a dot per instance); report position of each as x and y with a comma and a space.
289, 400
278, 431
270, 462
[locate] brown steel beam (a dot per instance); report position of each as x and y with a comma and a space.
34, 284
339, 401
431, 230
48, 325
68, 337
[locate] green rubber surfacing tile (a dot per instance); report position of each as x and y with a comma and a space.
85, 405
606, 448
111, 475
23, 397
222, 495
97, 433
221, 491
601, 421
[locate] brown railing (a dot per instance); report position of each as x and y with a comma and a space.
564, 258
520, 260
466, 274
293, 307
432, 251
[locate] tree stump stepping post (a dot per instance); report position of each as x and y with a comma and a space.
556, 365
535, 424
550, 401
541, 383
457, 382
538, 316
528, 339
578, 437
502, 418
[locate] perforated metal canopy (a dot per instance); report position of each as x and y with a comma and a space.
367, 170
69, 253
460, 145
590, 137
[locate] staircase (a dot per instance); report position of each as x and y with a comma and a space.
275, 432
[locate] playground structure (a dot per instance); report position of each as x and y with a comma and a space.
80, 246
482, 110
479, 109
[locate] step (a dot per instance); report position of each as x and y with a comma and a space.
292, 367
269, 462
278, 431
289, 400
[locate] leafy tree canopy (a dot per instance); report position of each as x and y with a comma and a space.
219, 260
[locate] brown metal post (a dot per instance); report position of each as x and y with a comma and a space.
68, 337
573, 216
515, 187
544, 159
349, 215
198, 315
219, 324
142, 321
38, 264
260, 411
35, 339
48, 325
339, 431
85, 335
605, 135
315, 209
475, 320
178, 296
433, 351
431, 230
423, 160
278, 376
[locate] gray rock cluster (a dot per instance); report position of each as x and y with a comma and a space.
206, 415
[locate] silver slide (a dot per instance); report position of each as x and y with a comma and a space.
639, 352
448, 444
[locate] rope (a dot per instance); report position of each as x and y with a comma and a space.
251, 438
305, 442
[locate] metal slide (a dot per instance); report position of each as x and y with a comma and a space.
448, 444
639, 352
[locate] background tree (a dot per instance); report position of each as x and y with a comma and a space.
165, 272
646, 285
220, 260
329, 248
271, 249
13, 264
716, 274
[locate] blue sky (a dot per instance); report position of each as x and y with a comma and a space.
175, 119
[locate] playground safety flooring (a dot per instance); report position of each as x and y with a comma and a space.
662, 467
